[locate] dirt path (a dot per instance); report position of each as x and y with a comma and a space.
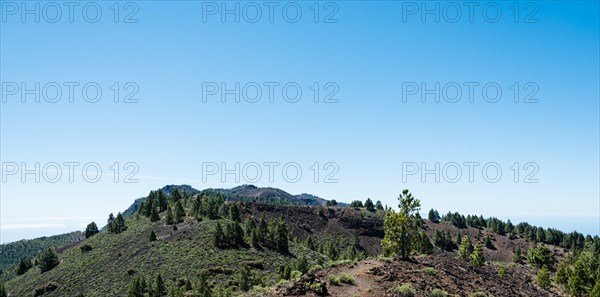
363, 285
424, 274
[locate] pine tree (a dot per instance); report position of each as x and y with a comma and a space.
369, 205
563, 271
176, 195
331, 251
488, 243
110, 223
282, 237
224, 210
135, 288
443, 240
250, 231
178, 213
169, 216
254, 241
424, 245
118, 225
152, 236
433, 216
356, 204
350, 253
142, 209
159, 289
284, 272
154, 214
263, 230
143, 285
148, 207
162, 201
476, 257
540, 256
24, 266
234, 213
218, 235
47, 260
378, 205
310, 244
302, 265
245, 278
543, 277
236, 233
577, 280
91, 230
401, 229
594, 293
517, 254
465, 248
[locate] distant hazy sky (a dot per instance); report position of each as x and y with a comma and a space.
372, 54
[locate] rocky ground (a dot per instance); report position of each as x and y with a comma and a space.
379, 278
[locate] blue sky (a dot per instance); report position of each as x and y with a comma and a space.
369, 136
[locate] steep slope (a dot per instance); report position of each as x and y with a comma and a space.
116, 259
12, 253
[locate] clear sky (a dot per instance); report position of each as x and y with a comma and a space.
369, 132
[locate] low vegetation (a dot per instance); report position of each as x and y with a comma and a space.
207, 245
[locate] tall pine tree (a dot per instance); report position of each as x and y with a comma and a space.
91, 230
465, 248
401, 229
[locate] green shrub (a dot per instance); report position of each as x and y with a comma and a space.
438, 293
333, 280
429, 270
406, 290
346, 279
260, 290
295, 274
540, 256
281, 282
478, 294
318, 289
315, 268
339, 263
502, 272
341, 279
385, 259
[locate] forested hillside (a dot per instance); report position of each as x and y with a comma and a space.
201, 243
